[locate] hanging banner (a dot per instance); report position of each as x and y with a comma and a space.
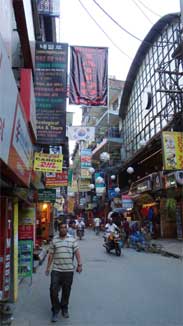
172, 143
81, 133
48, 162
88, 76
51, 91
86, 155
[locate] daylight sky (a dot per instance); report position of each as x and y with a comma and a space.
77, 27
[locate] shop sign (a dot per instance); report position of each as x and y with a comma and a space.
84, 185
48, 7
144, 186
48, 162
6, 24
85, 174
28, 98
157, 181
20, 155
86, 155
57, 179
127, 202
46, 195
25, 255
172, 150
170, 181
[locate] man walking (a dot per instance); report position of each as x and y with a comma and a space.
61, 253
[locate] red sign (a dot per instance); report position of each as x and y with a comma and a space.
57, 179
88, 76
25, 232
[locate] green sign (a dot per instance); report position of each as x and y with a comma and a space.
25, 258
48, 195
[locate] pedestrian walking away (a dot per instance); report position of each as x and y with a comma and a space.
62, 250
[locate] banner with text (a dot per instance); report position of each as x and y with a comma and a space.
51, 91
88, 75
172, 143
48, 162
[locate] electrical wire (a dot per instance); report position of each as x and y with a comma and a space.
125, 30
143, 13
104, 31
150, 10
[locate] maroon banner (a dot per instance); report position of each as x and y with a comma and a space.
88, 76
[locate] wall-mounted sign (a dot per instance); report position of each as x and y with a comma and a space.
47, 195
49, 7
170, 181
57, 179
172, 143
25, 258
51, 91
157, 181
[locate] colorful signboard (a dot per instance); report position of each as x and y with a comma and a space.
86, 155
81, 133
25, 258
88, 76
48, 162
51, 92
21, 150
56, 179
172, 143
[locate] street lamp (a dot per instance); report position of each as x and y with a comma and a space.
117, 190
130, 170
113, 177
99, 180
92, 186
91, 170
104, 156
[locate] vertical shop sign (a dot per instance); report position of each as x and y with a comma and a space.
15, 251
51, 91
172, 143
5, 247
88, 76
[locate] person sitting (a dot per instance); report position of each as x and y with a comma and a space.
80, 225
72, 229
110, 227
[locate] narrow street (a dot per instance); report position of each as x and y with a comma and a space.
136, 289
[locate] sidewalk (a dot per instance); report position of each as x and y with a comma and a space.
171, 247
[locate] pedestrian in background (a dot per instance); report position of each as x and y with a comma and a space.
60, 259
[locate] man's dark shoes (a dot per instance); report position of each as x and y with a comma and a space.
54, 317
65, 313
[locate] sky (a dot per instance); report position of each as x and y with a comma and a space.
136, 16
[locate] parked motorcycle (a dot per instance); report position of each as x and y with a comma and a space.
113, 242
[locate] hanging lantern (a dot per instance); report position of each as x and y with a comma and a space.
91, 186
130, 170
117, 190
91, 170
104, 157
99, 180
113, 177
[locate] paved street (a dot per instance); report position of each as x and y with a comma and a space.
136, 289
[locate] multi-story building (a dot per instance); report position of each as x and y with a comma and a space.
152, 103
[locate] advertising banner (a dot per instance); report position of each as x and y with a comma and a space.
70, 204
57, 179
85, 174
21, 150
48, 7
172, 143
25, 258
84, 185
81, 133
48, 162
51, 92
88, 76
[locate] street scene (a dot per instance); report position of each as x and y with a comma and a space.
133, 289
91, 162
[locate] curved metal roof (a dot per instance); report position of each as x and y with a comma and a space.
141, 52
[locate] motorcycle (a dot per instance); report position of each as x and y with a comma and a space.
113, 242
80, 233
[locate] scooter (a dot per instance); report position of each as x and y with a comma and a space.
113, 242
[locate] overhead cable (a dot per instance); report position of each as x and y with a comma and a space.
143, 13
104, 31
153, 12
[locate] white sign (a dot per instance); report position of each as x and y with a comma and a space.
81, 133
8, 97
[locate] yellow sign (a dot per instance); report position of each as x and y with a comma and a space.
71, 204
172, 150
48, 162
84, 185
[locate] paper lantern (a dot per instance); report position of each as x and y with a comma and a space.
130, 170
